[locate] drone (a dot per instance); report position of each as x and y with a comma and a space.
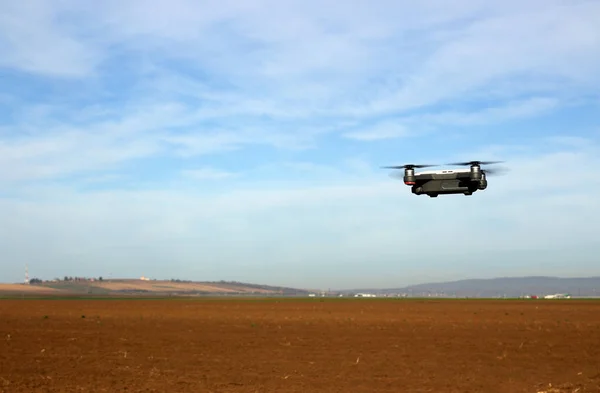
447, 181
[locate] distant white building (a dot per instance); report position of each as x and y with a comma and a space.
558, 296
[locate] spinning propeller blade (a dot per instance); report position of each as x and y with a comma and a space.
397, 175
408, 166
494, 171
476, 163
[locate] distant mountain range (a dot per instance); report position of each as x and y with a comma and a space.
503, 286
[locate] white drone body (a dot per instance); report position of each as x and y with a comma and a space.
446, 181
444, 171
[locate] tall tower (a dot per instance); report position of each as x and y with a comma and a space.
26, 274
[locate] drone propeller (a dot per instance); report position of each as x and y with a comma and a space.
400, 175
408, 166
476, 163
494, 171
397, 175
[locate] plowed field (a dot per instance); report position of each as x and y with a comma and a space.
362, 345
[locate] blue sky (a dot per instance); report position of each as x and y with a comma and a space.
234, 140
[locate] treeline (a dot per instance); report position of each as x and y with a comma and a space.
69, 278
36, 280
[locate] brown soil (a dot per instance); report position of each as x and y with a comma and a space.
22, 288
363, 345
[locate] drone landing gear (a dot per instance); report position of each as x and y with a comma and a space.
433, 195
468, 193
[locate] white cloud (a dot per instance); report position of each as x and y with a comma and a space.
33, 40
309, 60
511, 110
422, 124
555, 41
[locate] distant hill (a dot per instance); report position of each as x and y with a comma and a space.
503, 286
144, 287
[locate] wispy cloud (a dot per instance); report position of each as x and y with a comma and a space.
292, 107
207, 174
387, 129
510, 110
